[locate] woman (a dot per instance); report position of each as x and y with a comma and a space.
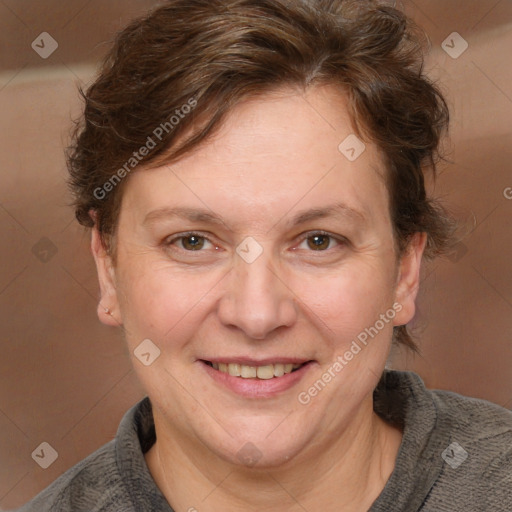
253, 176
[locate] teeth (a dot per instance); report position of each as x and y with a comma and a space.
235, 370
247, 372
267, 371
279, 370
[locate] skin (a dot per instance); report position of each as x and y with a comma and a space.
274, 157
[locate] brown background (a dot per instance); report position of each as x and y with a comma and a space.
66, 379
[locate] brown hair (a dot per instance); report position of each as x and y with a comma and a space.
172, 77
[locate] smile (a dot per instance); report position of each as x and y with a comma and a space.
265, 372
257, 379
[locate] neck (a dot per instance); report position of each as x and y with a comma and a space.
347, 471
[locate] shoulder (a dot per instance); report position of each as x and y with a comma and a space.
474, 440
89, 485
482, 428
114, 478
111, 478
481, 432
456, 451
474, 420
479, 419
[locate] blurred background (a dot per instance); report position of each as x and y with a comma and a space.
66, 379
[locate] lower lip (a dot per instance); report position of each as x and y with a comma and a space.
258, 388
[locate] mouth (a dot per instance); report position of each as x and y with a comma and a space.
264, 372
257, 379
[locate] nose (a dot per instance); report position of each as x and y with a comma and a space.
257, 299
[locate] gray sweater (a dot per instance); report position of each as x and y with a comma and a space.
456, 455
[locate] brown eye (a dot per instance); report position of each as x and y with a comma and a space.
192, 242
319, 242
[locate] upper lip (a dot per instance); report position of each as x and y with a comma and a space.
247, 361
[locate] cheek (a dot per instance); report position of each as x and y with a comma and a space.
346, 303
163, 304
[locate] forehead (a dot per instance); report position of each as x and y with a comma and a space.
282, 152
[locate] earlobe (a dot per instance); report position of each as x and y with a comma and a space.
409, 279
108, 307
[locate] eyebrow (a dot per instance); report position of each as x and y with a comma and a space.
191, 214
339, 210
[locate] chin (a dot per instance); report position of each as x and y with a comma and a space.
266, 449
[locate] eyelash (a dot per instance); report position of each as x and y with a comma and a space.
342, 241
187, 235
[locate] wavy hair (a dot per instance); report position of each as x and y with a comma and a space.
217, 53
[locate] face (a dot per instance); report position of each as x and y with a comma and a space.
264, 251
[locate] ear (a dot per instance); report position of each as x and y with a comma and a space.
408, 280
108, 307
